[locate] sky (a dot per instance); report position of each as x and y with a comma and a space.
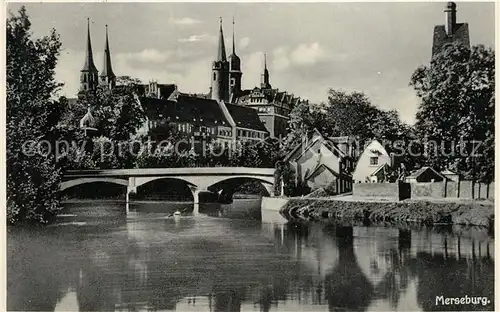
311, 47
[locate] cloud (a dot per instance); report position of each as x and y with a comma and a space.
281, 61
192, 75
146, 56
185, 21
306, 54
251, 66
244, 42
301, 55
195, 38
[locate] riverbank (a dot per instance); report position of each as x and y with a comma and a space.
423, 212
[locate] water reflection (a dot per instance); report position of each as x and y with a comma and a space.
219, 264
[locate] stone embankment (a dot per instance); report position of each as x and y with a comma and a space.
470, 213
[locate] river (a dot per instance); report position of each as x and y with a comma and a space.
236, 258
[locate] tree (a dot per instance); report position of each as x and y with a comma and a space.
32, 174
348, 114
117, 110
456, 114
300, 123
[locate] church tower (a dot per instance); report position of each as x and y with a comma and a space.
220, 72
107, 76
234, 72
88, 74
264, 77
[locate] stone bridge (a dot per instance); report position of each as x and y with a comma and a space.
199, 179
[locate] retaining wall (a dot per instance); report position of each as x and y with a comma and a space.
395, 191
451, 189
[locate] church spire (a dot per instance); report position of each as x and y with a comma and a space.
89, 74
234, 50
234, 72
221, 55
264, 82
89, 60
107, 75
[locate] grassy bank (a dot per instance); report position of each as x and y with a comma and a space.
477, 213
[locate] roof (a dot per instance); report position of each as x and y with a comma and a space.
460, 34
89, 59
88, 121
448, 172
379, 168
341, 139
72, 101
166, 90
317, 168
185, 109
107, 69
420, 171
221, 52
330, 144
245, 117
273, 96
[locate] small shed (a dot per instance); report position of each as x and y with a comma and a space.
450, 175
425, 174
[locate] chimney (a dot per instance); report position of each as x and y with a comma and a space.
451, 18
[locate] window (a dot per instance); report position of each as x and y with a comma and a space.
215, 76
233, 81
373, 161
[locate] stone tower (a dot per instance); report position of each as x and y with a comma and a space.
234, 72
89, 74
451, 32
264, 77
220, 72
107, 76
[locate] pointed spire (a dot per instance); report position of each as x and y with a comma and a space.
89, 60
221, 55
234, 50
107, 70
264, 83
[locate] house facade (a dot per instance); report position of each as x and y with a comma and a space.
204, 119
373, 164
323, 162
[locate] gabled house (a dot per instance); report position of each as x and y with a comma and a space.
374, 164
320, 161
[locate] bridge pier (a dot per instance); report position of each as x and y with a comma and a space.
201, 196
269, 188
130, 190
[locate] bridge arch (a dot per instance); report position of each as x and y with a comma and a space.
71, 183
227, 186
165, 185
263, 180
